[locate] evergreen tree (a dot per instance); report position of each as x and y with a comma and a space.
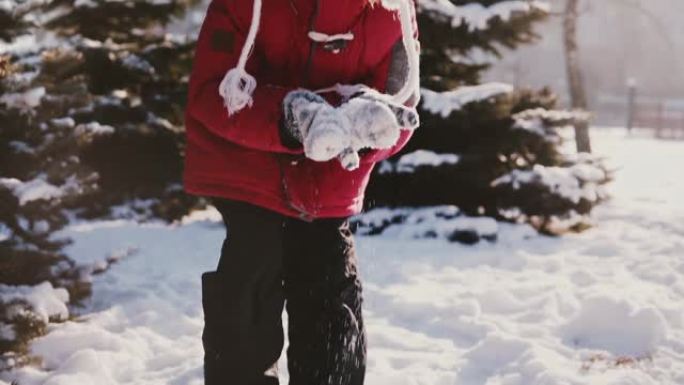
91, 105
487, 148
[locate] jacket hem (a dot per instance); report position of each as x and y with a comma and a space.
271, 202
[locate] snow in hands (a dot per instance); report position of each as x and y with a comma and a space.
366, 119
321, 129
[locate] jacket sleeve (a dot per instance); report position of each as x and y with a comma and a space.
393, 72
218, 48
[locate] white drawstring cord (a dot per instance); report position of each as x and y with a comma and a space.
410, 45
237, 86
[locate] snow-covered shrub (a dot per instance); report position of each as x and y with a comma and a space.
24, 314
487, 148
553, 198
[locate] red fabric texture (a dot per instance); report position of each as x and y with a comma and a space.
241, 156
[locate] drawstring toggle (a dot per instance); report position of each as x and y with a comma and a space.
332, 43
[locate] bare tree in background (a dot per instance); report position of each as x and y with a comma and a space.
578, 96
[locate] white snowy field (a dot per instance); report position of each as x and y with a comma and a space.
602, 307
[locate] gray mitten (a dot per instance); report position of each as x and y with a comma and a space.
323, 131
376, 123
407, 117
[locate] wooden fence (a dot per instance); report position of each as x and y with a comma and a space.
660, 117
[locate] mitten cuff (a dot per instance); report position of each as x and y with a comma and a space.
287, 135
296, 116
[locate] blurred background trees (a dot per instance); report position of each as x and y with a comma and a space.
641, 46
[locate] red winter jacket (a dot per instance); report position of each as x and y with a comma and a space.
242, 157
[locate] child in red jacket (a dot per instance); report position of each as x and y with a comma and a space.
290, 105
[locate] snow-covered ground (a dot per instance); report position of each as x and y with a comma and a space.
602, 307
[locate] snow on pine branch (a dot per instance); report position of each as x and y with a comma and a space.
10, 6
46, 301
420, 158
7, 5
93, 128
577, 182
474, 56
26, 100
38, 189
545, 122
5, 232
477, 16
444, 103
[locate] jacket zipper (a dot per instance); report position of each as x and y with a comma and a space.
309, 62
303, 213
313, 45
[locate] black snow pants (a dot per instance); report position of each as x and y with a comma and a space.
268, 259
